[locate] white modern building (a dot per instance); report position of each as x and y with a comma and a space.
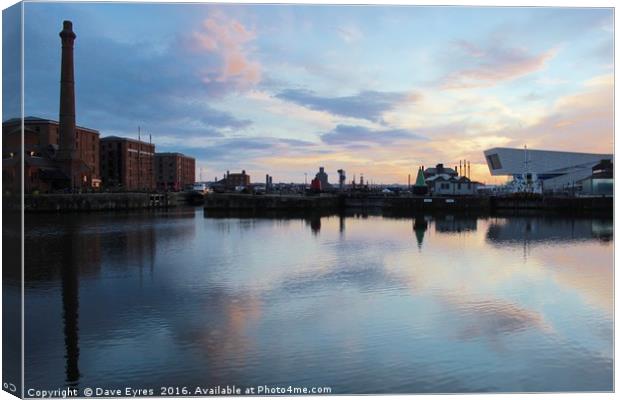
543, 170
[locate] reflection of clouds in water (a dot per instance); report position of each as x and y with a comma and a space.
217, 339
218, 308
492, 318
371, 276
587, 270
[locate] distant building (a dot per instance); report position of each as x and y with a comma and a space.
439, 169
446, 181
234, 180
42, 170
342, 178
452, 186
174, 171
602, 180
545, 170
321, 176
127, 164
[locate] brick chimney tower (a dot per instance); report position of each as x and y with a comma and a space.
67, 151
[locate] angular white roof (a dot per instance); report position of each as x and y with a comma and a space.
509, 161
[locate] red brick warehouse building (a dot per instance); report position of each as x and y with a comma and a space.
41, 147
127, 164
174, 171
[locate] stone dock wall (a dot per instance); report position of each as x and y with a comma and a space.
408, 203
416, 203
269, 202
98, 201
555, 204
234, 201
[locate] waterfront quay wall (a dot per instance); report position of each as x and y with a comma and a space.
98, 201
547, 204
415, 203
370, 201
555, 204
229, 201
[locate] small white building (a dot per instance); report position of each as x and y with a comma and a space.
451, 186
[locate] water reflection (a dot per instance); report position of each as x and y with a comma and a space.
11, 299
456, 223
358, 301
419, 227
530, 229
70, 297
315, 223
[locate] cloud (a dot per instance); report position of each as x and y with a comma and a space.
230, 40
495, 318
469, 48
359, 135
585, 114
123, 85
217, 149
494, 65
219, 119
350, 33
368, 105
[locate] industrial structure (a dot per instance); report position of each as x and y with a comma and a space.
320, 180
127, 164
235, 180
541, 171
174, 171
57, 155
42, 169
342, 177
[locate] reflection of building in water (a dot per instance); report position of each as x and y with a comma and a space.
45, 246
537, 229
137, 245
315, 223
67, 255
12, 298
419, 228
603, 229
70, 306
452, 223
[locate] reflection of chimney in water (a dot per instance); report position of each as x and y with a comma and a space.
70, 306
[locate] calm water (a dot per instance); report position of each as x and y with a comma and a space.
364, 304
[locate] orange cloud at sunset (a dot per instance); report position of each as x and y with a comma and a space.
229, 38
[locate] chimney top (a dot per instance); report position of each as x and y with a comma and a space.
67, 30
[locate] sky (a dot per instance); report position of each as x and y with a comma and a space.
374, 90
